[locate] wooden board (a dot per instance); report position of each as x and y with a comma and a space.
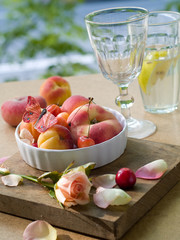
32, 201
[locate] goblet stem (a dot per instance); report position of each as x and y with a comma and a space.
136, 128
125, 101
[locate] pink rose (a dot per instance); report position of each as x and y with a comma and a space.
73, 188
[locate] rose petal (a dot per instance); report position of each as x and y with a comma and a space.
105, 181
11, 180
25, 134
59, 195
3, 159
73, 188
105, 197
152, 170
39, 230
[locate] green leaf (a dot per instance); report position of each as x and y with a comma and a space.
87, 167
60, 204
4, 171
54, 176
52, 194
68, 168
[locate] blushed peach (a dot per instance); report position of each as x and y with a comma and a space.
73, 102
55, 90
13, 109
95, 122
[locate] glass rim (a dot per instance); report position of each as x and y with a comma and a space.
145, 11
164, 23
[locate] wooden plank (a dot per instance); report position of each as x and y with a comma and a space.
31, 201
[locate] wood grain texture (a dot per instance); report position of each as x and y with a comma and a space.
32, 201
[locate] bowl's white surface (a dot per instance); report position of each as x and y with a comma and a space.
50, 160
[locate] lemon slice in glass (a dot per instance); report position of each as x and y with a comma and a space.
154, 67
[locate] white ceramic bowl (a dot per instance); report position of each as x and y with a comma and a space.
50, 160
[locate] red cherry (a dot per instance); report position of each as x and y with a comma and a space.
84, 141
34, 145
125, 178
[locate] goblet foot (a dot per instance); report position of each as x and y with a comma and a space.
140, 128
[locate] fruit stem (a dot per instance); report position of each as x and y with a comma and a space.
90, 100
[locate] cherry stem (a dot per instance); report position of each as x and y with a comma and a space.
90, 101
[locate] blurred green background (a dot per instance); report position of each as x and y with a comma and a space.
52, 30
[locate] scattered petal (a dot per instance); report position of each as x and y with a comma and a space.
105, 181
105, 197
3, 159
4, 170
25, 134
152, 170
39, 230
11, 180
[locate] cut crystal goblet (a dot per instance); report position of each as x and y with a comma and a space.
118, 38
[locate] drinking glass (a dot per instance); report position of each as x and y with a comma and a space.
159, 79
118, 37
